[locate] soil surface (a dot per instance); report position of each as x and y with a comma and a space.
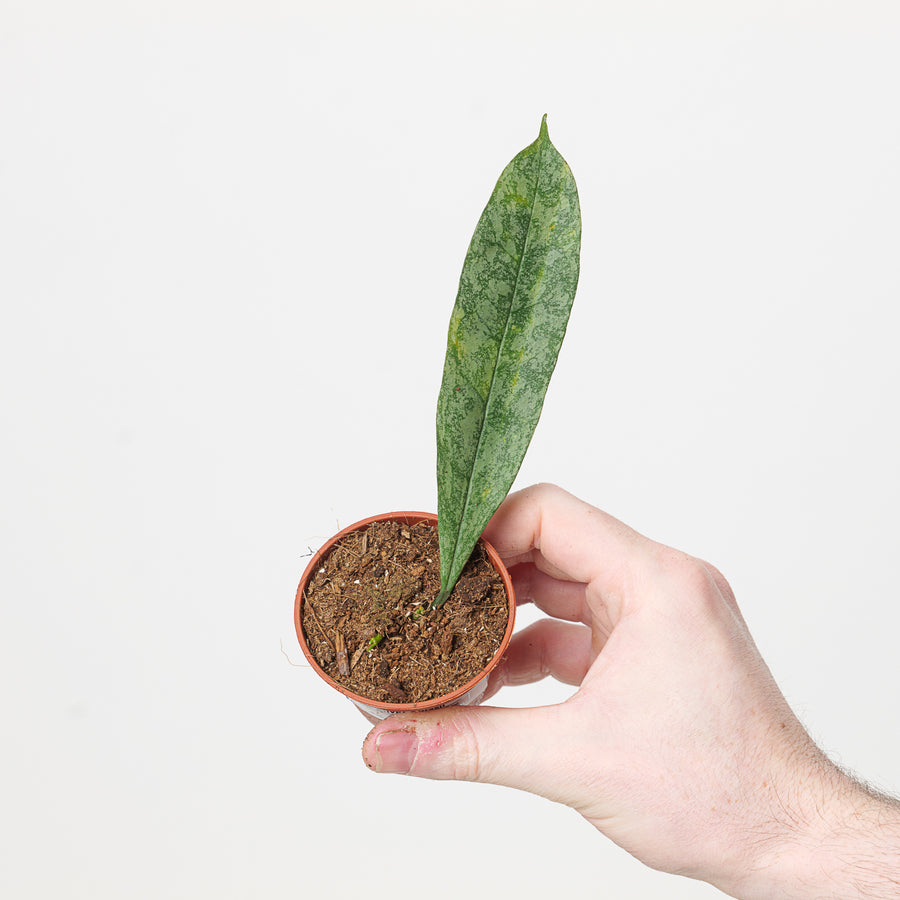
367, 621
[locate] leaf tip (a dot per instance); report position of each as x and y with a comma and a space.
543, 132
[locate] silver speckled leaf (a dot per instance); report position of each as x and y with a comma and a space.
515, 294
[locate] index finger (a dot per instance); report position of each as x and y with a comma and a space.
569, 540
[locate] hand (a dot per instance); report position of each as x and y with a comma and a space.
678, 744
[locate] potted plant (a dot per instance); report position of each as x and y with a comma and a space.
411, 611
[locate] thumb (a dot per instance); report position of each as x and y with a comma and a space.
517, 748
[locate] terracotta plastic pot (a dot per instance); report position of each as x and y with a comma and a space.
467, 694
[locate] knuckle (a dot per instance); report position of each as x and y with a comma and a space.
692, 582
544, 492
721, 583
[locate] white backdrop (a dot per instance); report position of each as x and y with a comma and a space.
230, 237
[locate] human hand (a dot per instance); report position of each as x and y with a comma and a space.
678, 744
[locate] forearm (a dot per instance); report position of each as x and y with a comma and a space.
858, 852
844, 845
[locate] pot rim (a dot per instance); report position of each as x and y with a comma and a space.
408, 518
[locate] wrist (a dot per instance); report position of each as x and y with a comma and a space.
856, 848
839, 841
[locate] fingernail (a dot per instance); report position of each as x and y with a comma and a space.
395, 751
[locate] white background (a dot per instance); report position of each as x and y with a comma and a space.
230, 237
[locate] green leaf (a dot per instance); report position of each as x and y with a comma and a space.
515, 294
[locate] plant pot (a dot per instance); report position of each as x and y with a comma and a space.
467, 694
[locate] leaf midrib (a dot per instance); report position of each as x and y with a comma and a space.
500, 346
